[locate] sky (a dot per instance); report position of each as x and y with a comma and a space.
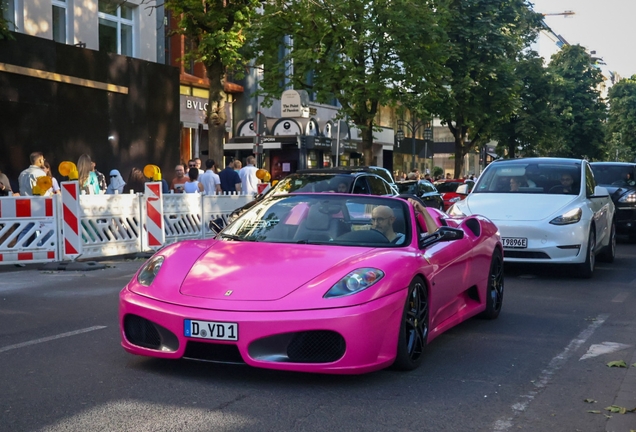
606, 26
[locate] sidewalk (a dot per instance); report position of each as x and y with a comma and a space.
626, 397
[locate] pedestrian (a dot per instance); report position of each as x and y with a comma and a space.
197, 164
101, 179
179, 180
28, 178
237, 165
5, 185
230, 180
86, 176
210, 179
136, 181
193, 185
117, 183
55, 188
249, 181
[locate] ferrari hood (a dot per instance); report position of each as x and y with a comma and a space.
252, 271
516, 207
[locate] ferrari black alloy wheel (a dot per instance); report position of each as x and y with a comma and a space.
495, 291
414, 327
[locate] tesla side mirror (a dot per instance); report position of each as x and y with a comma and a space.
600, 192
462, 189
443, 234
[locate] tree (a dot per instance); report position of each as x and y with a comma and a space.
621, 124
577, 103
217, 30
362, 52
530, 127
4, 23
478, 90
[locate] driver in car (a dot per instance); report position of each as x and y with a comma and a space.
382, 219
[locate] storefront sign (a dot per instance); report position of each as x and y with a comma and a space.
294, 103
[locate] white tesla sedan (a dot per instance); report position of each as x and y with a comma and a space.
548, 210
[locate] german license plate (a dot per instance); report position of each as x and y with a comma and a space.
514, 242
211, 330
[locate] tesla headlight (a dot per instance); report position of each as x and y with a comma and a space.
455, 211
630, 198
573, 216
354, 282
149, 270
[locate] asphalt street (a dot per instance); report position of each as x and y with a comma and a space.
62, 367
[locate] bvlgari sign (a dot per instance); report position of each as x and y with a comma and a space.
294, 103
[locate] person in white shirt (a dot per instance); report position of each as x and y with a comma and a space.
249, 181
210, 179
28, 178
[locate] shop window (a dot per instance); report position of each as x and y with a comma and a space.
116, 27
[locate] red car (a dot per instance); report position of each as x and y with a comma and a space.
448, 187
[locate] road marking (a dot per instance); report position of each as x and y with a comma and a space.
603, 348
620, 298
555, 364
50, 338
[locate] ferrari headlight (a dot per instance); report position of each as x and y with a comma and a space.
629, 198
573, 216
354, 282
455, 211
149, 270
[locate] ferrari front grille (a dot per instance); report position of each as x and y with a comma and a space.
213, 352
147, 334
319, 346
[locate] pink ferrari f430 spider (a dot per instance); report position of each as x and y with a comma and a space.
327, 283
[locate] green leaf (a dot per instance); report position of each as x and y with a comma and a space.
617, 409
590, 401
594, 411
617, 363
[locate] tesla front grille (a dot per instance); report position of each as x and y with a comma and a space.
213, 352
318, 346
525, 254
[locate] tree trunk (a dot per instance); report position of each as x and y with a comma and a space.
216, 117
459, 153
367, 142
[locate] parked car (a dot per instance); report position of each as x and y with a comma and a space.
356, 180
619, 178
424, 190
448, 189
312, 283
548, 210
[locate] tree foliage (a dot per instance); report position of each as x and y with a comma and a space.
621, 124
217, 30
478, 89
4, 23
529, 128
362, 52
577, 103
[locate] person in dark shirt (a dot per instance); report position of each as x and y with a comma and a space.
230, 180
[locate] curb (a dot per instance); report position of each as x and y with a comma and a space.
626, 397
73, 266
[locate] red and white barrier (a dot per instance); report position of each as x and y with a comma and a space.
71, 229
28, 230
154, 215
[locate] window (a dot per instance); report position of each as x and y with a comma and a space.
7, 8
116, 26
59, 21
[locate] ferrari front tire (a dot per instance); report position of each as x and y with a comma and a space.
495, 290
414, 327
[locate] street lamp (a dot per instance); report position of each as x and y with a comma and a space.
428, 137
413, 126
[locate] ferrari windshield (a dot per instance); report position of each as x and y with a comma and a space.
344, 220
519, 176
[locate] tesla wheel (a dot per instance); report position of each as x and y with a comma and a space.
586, 269
609, 251
495, 291
414, 327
